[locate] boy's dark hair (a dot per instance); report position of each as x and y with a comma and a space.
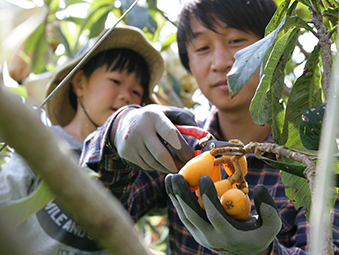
246, 15
117, 59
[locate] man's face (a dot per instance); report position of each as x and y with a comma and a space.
211, 56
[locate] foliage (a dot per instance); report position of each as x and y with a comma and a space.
286, 117
58, 35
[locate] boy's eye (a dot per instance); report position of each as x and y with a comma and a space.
201, 49
137, 93
115, 81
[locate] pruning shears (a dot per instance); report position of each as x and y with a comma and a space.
206, 140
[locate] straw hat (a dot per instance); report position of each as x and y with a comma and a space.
59, 109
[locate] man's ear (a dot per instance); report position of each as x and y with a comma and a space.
78, 82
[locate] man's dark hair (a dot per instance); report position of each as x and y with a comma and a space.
117, 59
246, 15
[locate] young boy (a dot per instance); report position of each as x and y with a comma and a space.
123, 70
210, 32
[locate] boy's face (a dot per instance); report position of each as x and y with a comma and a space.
106, 91
211, 56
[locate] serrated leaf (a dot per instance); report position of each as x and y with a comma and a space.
247, 61
310, 126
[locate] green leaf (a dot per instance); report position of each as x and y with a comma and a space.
94, 12
312, 154
332, 15
292, 9
18, 211
297, 190
305, 2
306, 93
64, 42
53, 6
138, 16
310, 126
175, 84
266, 106
75, 20
286, 167
36, 43
247, 61
152, 26
279, 15
316, 6
34, 37
20, 91
99, 25
298, 22
71, 2
169, 40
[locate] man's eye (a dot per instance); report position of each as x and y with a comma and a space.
236, 41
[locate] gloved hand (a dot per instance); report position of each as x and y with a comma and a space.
147, 139
214, 228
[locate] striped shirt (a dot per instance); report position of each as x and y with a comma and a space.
143, 192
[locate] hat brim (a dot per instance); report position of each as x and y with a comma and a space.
59, 109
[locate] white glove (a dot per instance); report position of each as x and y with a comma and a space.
147, 139
214, 228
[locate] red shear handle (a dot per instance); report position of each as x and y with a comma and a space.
197, 132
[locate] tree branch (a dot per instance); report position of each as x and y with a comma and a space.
326, 54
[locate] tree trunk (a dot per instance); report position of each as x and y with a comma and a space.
93, 207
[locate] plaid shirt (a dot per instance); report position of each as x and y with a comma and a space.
141, 192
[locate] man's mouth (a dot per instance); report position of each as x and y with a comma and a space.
222, 85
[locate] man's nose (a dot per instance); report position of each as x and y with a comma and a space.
223, 59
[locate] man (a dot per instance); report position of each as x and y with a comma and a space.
210, 32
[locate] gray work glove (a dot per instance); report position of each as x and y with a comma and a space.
146, 138
214, 228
